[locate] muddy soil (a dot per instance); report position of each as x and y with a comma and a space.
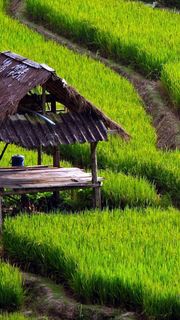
45, 298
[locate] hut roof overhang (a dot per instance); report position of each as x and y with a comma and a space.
30, 131
82, 123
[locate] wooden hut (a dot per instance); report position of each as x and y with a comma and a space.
56, 114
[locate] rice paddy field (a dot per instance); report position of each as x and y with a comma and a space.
12, 316
116, 97
126, 258
124, 30
171, 79
11, 291
118, 257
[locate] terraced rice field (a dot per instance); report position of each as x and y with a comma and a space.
127, 31
171, 79
115, 96
11, 291
12, 316
126, 258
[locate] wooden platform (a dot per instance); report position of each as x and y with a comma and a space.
38, 179
23, 180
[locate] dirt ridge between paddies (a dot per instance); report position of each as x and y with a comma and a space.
165, 118
46, 298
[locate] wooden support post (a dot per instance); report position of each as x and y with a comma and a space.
56, 154
44, 99
43, 111
56, 157
56, 163
1, 215
53, 106
96, 190
39, 160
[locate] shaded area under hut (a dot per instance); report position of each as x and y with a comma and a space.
38, 110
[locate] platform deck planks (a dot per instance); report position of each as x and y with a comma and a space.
39, 178
24, 180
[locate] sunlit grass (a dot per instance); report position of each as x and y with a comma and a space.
112, 94
13, 316
126, 258
11, 291
171, 79
125, 30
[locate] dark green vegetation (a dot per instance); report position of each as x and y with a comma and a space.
11, 292
125, 258
167, 3
170, 3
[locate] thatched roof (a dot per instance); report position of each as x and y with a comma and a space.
19, 75
31, 131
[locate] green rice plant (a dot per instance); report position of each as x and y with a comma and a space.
120, 190
12, 316
128, 258
171, 79
135, 34
124, 30
167, 3
30, 156
11, 291
113, 95
161, 168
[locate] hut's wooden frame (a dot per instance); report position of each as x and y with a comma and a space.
20, 75
95, 185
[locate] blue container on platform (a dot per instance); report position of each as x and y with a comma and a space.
18, 160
